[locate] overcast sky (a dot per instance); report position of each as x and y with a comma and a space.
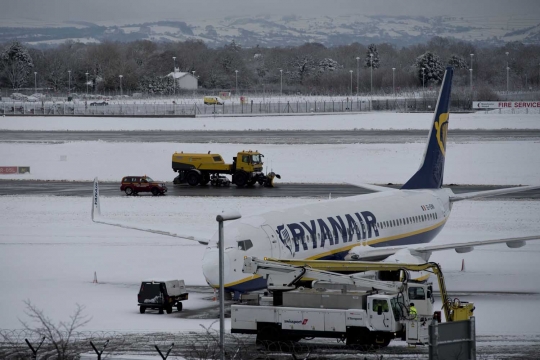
126, 11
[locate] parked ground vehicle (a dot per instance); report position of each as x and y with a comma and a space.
359, 310
102, 103
212, 100
132, 185
201, 169
162, 295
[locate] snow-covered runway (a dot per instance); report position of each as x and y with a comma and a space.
370, 120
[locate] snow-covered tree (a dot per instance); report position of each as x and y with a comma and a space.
375, 63
327, 64
233, 46
16, 63
300, 67
433, 68
457, 62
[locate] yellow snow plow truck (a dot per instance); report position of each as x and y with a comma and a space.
201, 169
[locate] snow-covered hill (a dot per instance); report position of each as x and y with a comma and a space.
287, 30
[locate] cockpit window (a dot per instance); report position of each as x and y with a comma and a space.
245, 245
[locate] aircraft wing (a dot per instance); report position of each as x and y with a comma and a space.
98, 218
466, 247
486, 193
379, 254
375, 188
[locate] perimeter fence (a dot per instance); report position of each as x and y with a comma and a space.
204, 345
81, 108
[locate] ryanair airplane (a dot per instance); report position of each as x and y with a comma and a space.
379, 226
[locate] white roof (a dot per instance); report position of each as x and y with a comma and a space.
178, 74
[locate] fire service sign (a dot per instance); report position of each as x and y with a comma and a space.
506, 104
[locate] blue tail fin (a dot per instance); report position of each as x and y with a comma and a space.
430, 174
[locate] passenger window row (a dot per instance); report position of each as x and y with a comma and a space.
407, 220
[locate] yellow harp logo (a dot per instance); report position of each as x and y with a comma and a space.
442, 126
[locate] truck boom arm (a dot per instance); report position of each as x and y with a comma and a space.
282, 276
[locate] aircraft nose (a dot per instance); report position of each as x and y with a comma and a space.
210, 267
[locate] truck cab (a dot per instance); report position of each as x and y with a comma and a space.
249, 161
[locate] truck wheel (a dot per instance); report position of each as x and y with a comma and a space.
179, 306
128, 191
240, 178
169, 309
142, 309
193, 178
155, 191
380, 341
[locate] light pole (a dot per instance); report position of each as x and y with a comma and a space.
193, 72
471, 70
357, 73
174, 75
121, 76
281, 82
507, 73
69, 81
232, 215
393, 81
351, 81
236, 87
371, 65
35, 82
423, 82
87, 83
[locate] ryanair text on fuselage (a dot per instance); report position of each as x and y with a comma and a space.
314, 233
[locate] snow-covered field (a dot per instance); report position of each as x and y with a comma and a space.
50, 250
369, 120
501, 163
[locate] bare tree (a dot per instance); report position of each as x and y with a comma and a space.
59, 334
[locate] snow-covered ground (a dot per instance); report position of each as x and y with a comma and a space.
50, 250
370, 120
501, 163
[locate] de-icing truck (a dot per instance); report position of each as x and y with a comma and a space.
356, 309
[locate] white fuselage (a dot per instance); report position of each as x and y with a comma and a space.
327, 230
